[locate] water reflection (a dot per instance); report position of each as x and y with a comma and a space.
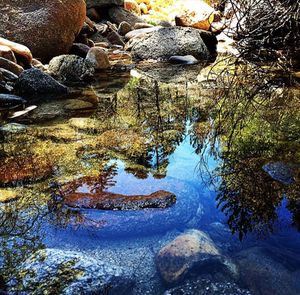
257, 125
146, 135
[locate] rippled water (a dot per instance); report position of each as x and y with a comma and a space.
232, 162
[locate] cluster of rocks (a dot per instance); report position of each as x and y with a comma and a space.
75, 39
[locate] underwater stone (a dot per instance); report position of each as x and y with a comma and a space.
103, 200
70, 272
190, 249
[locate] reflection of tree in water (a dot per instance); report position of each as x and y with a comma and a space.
64, 216
257, 121
20, 236
162, 111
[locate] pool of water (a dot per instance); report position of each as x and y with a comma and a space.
233, 164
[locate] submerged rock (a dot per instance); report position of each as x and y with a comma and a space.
34, 83
207, 287
167, 42
13, 128
190, 249
269, 272
47, 28
280, 171
68, 272
97, 199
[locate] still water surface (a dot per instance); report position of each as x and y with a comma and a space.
232, 162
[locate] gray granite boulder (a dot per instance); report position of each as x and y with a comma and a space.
167, 42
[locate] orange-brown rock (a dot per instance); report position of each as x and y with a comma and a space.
176, 258
47, 28
131, 5
196, 14
24, 169
85, 193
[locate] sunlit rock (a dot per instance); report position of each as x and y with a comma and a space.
47, 28
7, 195
7, 53
11, 66
98, 58
196, 14
166, 42
18, 50
70, 68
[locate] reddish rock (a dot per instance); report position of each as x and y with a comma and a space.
178, 257
196, 14
95, 198
47, 28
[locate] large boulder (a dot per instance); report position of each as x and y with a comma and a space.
47, 28
167, 42
103, 3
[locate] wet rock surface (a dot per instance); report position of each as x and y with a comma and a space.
10, 101
34, 83
71, 272
110, 201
